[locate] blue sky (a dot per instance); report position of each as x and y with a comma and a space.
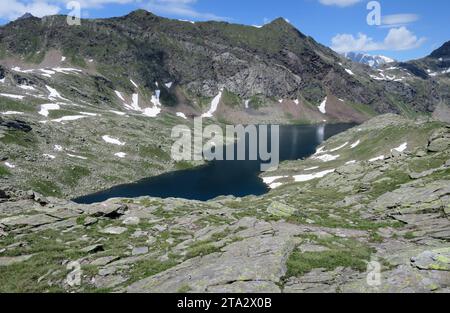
408, 29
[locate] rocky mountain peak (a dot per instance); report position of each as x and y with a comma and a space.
25, 16
442, 52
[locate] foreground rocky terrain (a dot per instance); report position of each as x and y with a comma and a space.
325, 219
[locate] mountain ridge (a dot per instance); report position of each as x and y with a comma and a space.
272, 62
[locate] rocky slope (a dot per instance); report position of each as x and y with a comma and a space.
314, 232
189, 63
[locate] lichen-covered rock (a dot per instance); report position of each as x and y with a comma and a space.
280, 209
438, 259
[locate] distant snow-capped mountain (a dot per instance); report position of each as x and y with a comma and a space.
371, 60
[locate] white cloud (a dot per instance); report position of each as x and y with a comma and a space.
98, 3
339, 3
396, 20
182, 8
12, 9
397, 39
402, 39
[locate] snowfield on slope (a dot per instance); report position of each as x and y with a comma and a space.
214, 105
112, 140
322, 106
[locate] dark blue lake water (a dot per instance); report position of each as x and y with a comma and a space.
216, 178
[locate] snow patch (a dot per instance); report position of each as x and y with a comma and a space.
152, 112
401, 148
378, 158
271, 179
307, 177
214, 105
339, 148
118, 112
63, 58
26, 87
53, 93
296, 101
18, 69
322, 106
246, 103
12, 113
327, 157
120, 154
57, 148
182, 115
66, 70
89, 114
354, 145
8, 95
350, 162
320, 150
349, 72
112, 140
119, 95
169, 85
134, 84
311, 168
45, 108
49, 156
68, 118
77, 156
10, 165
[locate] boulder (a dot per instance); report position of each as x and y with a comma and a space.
439, 145
10, 260
93, 248
105, 209
139, 250
280, 209
437, 259
114, 230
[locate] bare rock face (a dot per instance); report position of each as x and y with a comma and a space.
440, 140
254, 263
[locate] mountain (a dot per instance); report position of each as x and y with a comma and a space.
442, 52
25, 16
371, 60
124, 82
259, 65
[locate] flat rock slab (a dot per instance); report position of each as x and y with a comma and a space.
280, 209
312, 248
107, 209
246, 287
410, 199
254, 259
437, 259
27, 220
114, 230
131, 220
402, 279
139, 250
10, 260
93, 248
104, 260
